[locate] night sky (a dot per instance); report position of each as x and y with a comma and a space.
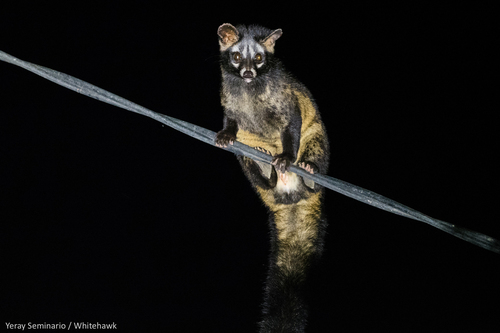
109, 216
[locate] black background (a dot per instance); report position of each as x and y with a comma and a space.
109, 216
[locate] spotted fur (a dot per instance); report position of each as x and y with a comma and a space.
267, 108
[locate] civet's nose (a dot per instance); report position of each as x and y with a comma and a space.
248, 75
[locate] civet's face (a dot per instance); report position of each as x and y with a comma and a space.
247, 57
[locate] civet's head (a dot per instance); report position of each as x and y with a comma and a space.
247, 52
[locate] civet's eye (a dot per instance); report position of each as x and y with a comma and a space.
258, 57
237, 56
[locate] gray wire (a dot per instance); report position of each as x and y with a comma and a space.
208, 136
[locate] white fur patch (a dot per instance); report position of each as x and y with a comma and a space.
291, 184
250, 51
260, 49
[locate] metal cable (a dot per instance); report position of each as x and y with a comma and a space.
208, 136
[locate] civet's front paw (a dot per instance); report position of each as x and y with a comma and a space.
311, 168
224, 138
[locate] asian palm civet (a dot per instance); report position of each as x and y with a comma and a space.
267, 108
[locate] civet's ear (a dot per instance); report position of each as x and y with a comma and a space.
228, 36
270, 40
